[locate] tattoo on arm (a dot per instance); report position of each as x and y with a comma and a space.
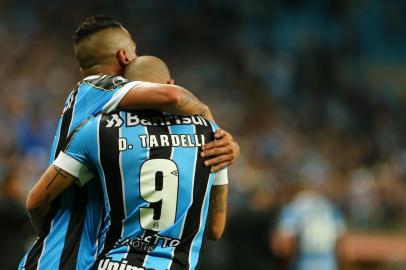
218, 202
185, 100
190, 100
59, 172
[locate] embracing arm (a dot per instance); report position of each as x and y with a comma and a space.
176, 100
164, 97
51, 184
217, 211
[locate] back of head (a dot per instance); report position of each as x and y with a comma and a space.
98, 40
150, 69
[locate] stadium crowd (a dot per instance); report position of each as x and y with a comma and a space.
312, 92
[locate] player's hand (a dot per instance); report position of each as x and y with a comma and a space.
223, 151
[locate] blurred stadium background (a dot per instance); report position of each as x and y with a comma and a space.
314, 92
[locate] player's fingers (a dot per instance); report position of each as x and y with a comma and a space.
217, 151
223, 140
220, 166
219, 133
218, 159
215, 144
235, 149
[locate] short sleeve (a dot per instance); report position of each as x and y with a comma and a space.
79, 152
288, 220
221, 178
119, 93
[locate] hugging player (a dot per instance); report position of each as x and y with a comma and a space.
67, 236
157, 191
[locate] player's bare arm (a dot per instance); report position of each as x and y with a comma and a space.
180, 101
173, 99
224, 150
188, 102
217, 211
282, 243
177, 100
51, 184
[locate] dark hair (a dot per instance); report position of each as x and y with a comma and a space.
92, 25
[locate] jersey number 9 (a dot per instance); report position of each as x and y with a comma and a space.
159, 180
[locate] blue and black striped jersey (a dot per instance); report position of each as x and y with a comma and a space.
68, 240
156, 188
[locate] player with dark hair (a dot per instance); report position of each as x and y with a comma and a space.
156, 187
103, 49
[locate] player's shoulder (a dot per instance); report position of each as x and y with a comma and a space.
88, 125
84, 132
105, 82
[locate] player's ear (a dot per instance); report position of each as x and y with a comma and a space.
122, 57
81, 71
171, 81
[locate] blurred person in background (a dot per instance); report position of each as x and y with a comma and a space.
14, 220
309, 231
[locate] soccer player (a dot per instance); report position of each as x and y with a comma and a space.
103, 49
153, 69
155, 185
309, 231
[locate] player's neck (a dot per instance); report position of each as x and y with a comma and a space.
101, 70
